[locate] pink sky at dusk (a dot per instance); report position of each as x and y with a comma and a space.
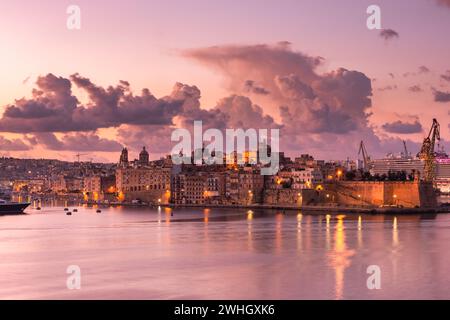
155, 44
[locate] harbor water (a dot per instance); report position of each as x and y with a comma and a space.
162, 253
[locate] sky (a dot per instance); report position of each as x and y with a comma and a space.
311, 68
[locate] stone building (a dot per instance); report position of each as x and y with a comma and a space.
295, 178
189, 188
98, 188
244, 186
148, 184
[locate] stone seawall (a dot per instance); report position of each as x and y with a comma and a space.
407, 194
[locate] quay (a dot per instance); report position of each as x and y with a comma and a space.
319, 209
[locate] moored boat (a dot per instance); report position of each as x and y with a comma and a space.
7, 207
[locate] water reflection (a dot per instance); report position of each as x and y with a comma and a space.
224, 253
360, 240
279, 233
327, 236
299, 232
250, 229
395, 232
339, 258
395, 249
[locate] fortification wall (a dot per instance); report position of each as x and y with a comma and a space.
408, 194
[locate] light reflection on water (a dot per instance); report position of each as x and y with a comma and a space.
168, 253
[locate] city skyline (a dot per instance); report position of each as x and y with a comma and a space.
325, 96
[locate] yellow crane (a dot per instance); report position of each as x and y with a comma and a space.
427, 152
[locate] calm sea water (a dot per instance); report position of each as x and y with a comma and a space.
134, 253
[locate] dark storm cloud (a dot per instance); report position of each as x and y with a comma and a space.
388, 34
401, 127
440, 96
78, 141
53, 107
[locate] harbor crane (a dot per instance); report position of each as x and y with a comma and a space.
406, 154
78, 155
427, 152
366, 157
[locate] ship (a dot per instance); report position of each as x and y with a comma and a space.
7, 207
410, 164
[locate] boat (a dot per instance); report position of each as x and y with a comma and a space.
7, 207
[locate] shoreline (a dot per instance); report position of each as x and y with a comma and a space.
306, 209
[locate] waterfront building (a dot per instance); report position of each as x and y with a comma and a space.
67, 184
98, 188
30, 186
244, 186
215, 187
148, 184
188, 188
293, 178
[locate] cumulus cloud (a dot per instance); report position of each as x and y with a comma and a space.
307, 101
388, 34
156, 138
234, 111
78, 141
401, 127
316, 110
325, 113
245, 61
13, 145
53, 107
240, 112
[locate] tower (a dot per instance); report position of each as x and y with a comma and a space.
143, 157
123, 162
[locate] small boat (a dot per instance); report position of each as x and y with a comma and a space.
38, 208
98, 211
75, 210
7, 207
66, 209
68, 213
